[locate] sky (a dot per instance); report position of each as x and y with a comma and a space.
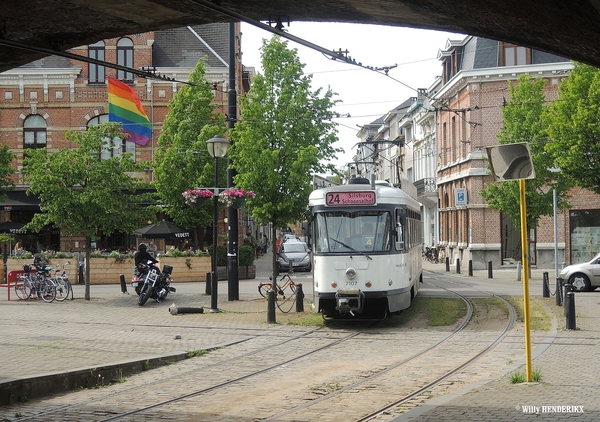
366, 95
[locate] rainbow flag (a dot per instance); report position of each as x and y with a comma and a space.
124, 106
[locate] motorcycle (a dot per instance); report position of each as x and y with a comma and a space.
150, 282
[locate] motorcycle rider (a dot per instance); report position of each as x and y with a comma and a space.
142, 256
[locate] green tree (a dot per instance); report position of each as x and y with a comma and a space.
182, 161
6, 171
82, 194
285, 135
523, 119
573, 127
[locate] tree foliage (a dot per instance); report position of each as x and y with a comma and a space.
82, 194
573, 127
523, 121
182, 161
284, 137
6, 171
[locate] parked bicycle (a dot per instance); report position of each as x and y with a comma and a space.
41, 285
282, 286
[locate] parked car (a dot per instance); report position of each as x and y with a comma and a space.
287, 237
583, 277
298, 253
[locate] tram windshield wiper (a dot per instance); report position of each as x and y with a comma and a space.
351, 248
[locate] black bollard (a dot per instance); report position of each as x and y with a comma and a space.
123, 284
471, 267
545, 287
457, 266
299, 298
567, 288
208, 281
490, 275
271, 308
448, 264
570, 311
558, 292
174, 310
81, 279
214, 287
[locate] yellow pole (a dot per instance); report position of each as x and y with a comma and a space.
525, 260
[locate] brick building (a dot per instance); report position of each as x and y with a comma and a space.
42, 100
476, 73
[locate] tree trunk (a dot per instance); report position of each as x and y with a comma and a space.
88, 247
274, 261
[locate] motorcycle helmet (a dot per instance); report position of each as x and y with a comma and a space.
142, 247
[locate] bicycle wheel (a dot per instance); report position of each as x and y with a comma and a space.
263, 289
63, 287
47, 291
23, 288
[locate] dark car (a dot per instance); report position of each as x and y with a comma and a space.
298, 253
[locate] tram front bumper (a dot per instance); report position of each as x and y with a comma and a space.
349, 301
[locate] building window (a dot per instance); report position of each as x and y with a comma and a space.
34, 132
513, 55
59, 95
8, 95
96, 72
114, 147
162, 93
125, 58
33, 95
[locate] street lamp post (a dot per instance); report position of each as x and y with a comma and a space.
217, 148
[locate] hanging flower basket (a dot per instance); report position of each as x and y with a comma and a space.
235, 198
197, 197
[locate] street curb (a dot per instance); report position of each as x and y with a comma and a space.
23, 389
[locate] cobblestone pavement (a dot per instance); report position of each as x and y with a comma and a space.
43, 339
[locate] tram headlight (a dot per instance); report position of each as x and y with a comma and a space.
351, 273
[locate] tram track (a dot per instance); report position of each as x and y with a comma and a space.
313, 342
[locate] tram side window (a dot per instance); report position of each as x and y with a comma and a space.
400, 222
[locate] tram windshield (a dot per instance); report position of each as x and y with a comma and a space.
361, 231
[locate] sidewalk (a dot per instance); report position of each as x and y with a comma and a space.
566, 359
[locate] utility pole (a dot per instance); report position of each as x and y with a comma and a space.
233, 280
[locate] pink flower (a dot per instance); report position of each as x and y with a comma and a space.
231, 194
192, 195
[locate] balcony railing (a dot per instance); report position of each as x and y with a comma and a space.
425, 185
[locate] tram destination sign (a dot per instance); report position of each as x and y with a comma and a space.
350, 198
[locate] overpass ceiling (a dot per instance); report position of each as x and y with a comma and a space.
569, 29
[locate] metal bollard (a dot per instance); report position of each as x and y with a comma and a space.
123, 283
490, 275
518, 271
174, 310
545, 287
208, 281
567, 289
271, 307
214, 286
81, 279
448, 264
570, 311
558, 292
471, 267
457, 266
299, 298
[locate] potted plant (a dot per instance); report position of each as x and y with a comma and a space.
197, 197
235, 198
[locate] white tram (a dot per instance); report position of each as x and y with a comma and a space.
366, 242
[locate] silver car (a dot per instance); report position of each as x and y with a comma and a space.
296, 252
583, 277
